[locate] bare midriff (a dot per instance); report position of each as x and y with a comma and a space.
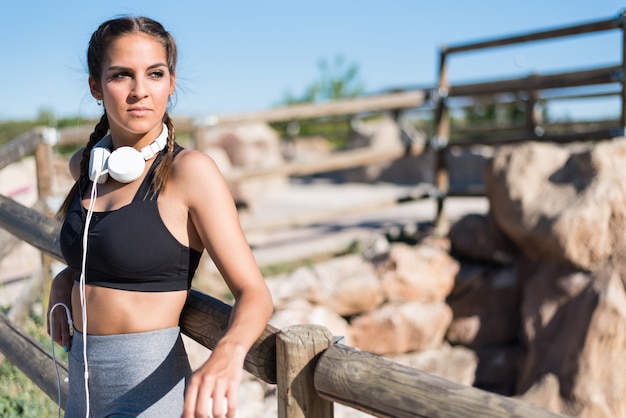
115, 311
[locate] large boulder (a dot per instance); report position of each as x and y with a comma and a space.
558, 204
574, 323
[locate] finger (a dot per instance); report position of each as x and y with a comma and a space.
231, 405
218, 406
189, 408
219, 399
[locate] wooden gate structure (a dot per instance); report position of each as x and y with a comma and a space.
312, 370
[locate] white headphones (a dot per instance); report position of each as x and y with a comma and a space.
125, 164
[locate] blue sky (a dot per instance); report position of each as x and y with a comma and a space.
245, 55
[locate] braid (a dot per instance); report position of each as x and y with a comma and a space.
99, 132
162, 172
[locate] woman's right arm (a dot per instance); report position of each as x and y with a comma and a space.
61, 292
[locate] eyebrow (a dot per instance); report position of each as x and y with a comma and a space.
122, 68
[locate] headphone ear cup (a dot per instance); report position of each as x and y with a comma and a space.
126, 164
97, 164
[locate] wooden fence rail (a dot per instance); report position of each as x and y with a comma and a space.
385, 388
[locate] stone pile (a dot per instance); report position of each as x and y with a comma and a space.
540, 294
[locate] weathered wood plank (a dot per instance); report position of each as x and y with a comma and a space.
205, 320
19, 147
33, 359
597, 26
387, 389
604, 75
31, 226
374, 103
297, 349
334, 161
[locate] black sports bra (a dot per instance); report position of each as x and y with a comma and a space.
129, 248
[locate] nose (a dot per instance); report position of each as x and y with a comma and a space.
139, 89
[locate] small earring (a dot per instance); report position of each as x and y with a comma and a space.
99, 102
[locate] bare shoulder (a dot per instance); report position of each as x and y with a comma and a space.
74, 163
195, 172
193, 163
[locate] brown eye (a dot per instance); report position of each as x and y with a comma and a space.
120, 75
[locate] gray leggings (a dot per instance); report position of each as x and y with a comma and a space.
130, 375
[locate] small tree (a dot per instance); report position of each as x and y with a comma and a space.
337, 80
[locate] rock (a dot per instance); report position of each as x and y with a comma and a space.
498, 367
348, 285
477, 237
402, 327
575, 328
419, 273
561, 206
253, 145
300, 311
486, 306
381, 134
300, 284
545, 394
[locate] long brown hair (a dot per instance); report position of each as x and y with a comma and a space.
100, 40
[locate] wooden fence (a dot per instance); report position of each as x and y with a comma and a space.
532, 86
311, 370
437, 99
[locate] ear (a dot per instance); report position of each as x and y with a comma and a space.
95, 89
172, 84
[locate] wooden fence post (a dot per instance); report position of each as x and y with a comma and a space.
297, 351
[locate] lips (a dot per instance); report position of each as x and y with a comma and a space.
139, 111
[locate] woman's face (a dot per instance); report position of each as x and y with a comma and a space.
135, 87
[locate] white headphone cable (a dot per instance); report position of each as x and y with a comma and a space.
54, 359
83, 301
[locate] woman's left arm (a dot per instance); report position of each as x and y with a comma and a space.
215, 219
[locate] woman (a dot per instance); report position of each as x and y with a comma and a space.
127, 280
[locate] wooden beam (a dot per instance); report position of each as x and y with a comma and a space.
605, 75
374, 103
334, 161
19, 147
298, 348
597, 26
33, 359
205, 320
385, 388
31, 226
595, 135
